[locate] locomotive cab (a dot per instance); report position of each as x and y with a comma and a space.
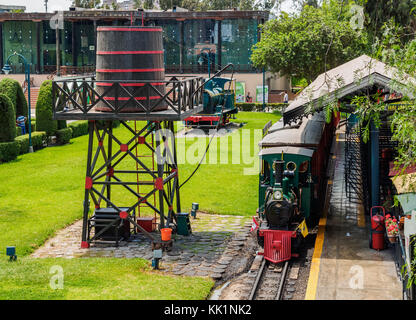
219, 104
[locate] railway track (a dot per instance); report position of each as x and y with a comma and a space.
269, 282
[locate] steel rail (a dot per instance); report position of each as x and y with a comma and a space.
282, 281
256, 282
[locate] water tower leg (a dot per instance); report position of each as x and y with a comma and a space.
84, 243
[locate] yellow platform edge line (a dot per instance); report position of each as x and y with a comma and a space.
316, 259
361, 217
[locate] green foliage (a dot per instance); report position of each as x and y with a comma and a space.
21, 102
299, 82
14, 91
7, 120
102, 123
9, 151
44, 114
306, 44
38, 141
63, 136
9, 88
88, 4
79, 128
200, 5
62, 124
379, 12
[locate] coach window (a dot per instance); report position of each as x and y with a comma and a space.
265, 172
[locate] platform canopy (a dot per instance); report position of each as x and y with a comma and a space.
307, 134
348, 79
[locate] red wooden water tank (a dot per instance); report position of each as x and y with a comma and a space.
130, 53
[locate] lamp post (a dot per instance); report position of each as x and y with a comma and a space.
6, 69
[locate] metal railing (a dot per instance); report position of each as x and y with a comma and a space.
403, 268
79, 96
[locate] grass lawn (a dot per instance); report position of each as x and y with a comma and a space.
95, 278
43, 192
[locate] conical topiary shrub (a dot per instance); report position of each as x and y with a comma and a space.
14, 91
9, 149
7, 119
44, 114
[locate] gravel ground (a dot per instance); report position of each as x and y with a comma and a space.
240, 275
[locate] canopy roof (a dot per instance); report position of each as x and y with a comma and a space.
289, 150
351, 77
307, 134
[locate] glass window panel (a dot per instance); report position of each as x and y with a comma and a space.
48, 48
66, 36
171, 43
20, 37
238, 37
85, 43
200, 44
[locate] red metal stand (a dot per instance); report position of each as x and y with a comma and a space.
106, 168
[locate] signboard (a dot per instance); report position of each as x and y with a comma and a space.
240, 92
259, 94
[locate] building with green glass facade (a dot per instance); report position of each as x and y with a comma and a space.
190, 39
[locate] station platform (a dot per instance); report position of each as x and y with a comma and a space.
343, 266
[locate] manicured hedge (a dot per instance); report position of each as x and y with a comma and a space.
62, 124
254, 106
44, 115
63, 136
7, 120
38, 141
14, 91
9, 151
79, 128
21, 102
101, 124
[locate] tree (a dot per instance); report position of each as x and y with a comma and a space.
88, 4
380, 11
308, 43
201, 5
